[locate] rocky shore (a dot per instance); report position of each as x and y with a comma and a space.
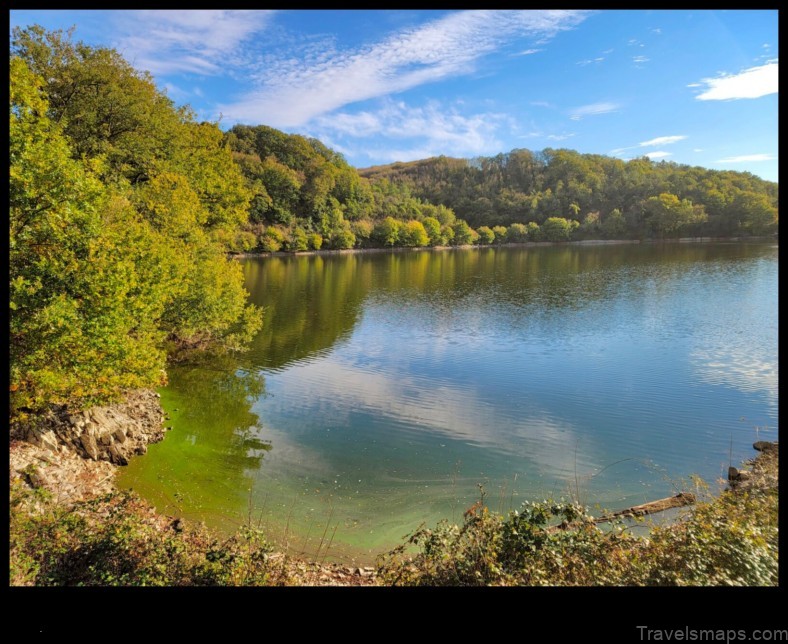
75, 456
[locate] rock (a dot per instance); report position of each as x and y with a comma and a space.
89, 444
119, 435
177, 525
764, 446
105, 438
116, 456
744, 475
37, 478
44, 439
141, 449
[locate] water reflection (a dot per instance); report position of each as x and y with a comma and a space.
386, 386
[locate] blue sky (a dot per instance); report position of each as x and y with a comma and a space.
696, 87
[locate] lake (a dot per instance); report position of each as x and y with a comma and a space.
386, 388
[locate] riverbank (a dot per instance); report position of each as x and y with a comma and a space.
583, 242
62, 478
69, 525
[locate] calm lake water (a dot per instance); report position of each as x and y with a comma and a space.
384, 388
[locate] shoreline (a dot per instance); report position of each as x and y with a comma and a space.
582, 242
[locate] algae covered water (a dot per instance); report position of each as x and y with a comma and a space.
385, 388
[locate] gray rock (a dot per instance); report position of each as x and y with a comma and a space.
764, 446
89, 444
733, 473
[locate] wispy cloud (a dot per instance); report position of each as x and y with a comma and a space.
747, 157
662, 140
750, 83
593, 109
657, 154
640, 59
194, 41
292, 90
408, 132
589, 61
528, 52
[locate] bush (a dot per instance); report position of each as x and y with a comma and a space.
118, 540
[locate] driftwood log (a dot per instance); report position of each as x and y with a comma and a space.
652, 507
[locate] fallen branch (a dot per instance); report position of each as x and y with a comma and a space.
652, 507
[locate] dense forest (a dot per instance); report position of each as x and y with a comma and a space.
119, 205
123, 208
608, 197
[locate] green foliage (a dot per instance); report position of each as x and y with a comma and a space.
387, 232
297, 240
413, 233
342, 237
522, 186
666, 214
517, 233
362, 230
433, 229
271, 240
556, 229
500, 234
732, 540
117, 540
463, 233
486, 235
315, 241
121, 209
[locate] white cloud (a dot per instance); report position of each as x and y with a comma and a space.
588, 61
640, 59
291, 90
560, 137
750, 83
747, 157
657, 154
431, 130
695, 85
173, 41
593, 109
662, 140
528, 52
697, 149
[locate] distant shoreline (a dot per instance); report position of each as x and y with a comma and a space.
584, 242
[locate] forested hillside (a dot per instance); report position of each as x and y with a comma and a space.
305, 196
609, 197
119, 205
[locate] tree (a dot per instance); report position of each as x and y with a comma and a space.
486, 235
558, 229
80, 330
387, 232
414, 234
433, 228
517, 233
500, 234
121, 210
463, 233
667, 214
